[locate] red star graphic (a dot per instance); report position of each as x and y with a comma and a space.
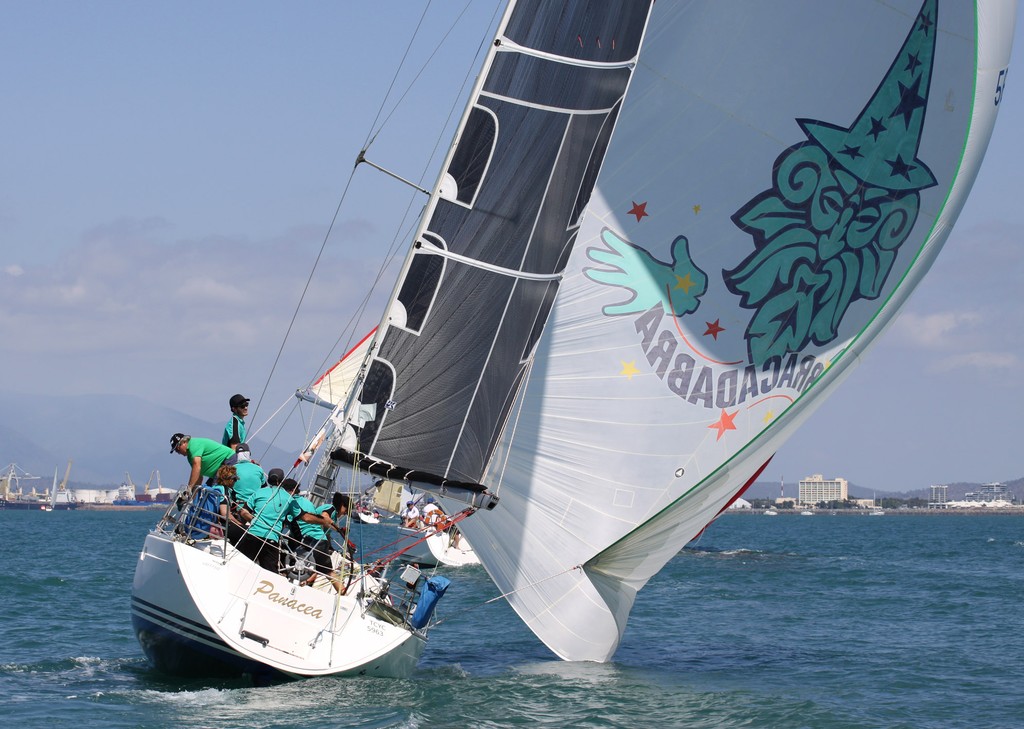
639, 210
713, 329
724, 423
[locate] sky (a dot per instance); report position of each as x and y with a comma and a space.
171, 176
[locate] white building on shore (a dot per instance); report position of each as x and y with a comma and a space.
989, 496
817, 488
939, 497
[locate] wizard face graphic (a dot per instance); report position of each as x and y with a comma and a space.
828, 231
824, 239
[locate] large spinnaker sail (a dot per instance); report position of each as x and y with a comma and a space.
779, 181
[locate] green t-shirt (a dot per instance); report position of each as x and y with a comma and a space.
311, 530
273, 507
234, 427
251, 479
212, 453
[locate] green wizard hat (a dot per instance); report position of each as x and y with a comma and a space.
880, 147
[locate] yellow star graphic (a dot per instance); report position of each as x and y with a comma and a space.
684, 282
629, 369
769, 416
696, 209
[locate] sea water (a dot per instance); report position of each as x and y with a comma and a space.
831, 621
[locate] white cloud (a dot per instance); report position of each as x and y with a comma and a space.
941, 330
129, 306
214, 290
13, 269
986, 361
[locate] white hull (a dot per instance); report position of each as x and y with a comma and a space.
436, 549
197, 613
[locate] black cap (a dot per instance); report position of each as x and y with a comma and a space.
238, 401
242, 448
275, 476
176, 439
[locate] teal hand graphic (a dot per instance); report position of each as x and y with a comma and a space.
677, 286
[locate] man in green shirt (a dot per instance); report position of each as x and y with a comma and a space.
314, 536
273, 508
234, 431
205, 455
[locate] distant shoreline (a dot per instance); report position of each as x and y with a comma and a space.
1008, 510
120, 507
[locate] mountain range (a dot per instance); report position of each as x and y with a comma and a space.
109, 436
105, 437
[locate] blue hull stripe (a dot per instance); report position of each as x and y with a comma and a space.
180, 622
178, 645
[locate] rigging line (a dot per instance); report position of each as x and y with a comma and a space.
452, 521
419, 73
305, 290
394, 249
266, 422
392, 252
506, 594
334, 219
371, 135
349, 328
466, 79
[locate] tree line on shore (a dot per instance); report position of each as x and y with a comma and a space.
888, 502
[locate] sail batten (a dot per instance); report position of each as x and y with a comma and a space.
509, 46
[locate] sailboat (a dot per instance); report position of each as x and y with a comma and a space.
663, 235
53, 492
435, 541
771, 511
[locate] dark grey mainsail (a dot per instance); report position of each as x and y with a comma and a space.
479, 283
